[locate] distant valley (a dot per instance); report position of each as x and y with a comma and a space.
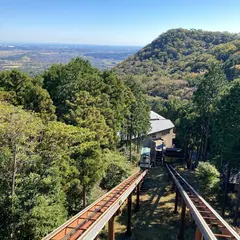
35, 58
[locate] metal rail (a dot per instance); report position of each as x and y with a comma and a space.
89, 222
210, 223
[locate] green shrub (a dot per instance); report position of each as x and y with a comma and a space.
117, 169
207, 176
135, 158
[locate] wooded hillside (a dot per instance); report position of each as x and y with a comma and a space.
170, 68
180, 51
172, 63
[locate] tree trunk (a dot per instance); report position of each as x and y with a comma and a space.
191, 163
138, 143
135, 143
226, 184
84, 196
189, 159
197, 155
206, 141
127, 140
200, 150
185, 154
130, 151
185, 149
236, 214
14, 171
130, 147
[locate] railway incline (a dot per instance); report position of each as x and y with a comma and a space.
158, 217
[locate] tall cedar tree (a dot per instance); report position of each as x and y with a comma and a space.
19, 89
226, 132
204, 99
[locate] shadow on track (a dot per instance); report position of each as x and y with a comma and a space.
156, 219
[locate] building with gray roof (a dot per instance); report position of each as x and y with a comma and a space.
161, 128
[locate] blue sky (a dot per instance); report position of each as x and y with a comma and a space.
111, 22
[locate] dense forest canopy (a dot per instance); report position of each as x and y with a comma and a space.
59, 138
179, 52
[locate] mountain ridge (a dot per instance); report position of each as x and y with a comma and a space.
176, 45
172, 63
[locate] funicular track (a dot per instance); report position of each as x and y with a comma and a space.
89, 222
210, 224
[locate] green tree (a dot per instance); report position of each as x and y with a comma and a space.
60, 149
108, 96
208, 177
205, 98
226, 130
64, 81
20, 89
138, 119
21, 196
45, 170
119, 97
223, 51
117, 169
90, 165
87, 111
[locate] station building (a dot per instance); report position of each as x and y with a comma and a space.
161, 128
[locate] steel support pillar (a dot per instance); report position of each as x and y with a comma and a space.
182, 223
118, 212
176, 201
111, 232
138, 198
129, 219
198, 235
169, 178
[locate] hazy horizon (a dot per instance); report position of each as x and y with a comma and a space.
98, 44
67, 44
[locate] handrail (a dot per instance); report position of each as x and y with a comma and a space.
204, 227
89, 222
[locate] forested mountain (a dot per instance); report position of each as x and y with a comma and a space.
172, 63
180, 51
171, 67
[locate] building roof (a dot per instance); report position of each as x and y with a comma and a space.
159, 123
155, 116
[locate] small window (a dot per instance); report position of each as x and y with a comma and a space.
154, 136
165, 132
